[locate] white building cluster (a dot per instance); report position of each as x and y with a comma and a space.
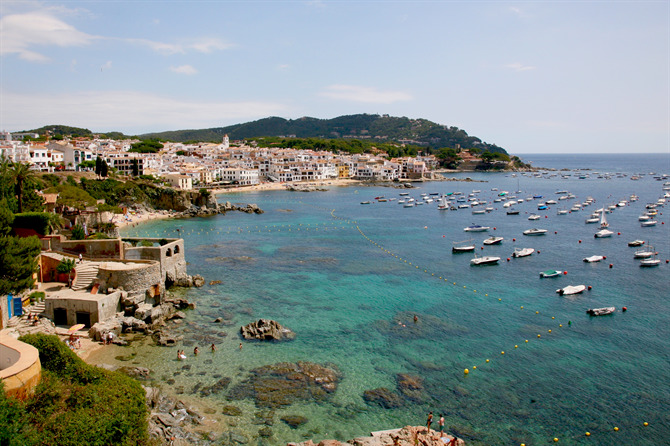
184, 166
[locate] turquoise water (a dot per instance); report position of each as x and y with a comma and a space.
346, 277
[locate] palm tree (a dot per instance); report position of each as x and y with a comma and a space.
21, 173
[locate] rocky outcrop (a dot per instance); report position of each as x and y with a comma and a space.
266, 330
304, 188
216, 208
171, 421
407, 436
187, 281
383, 397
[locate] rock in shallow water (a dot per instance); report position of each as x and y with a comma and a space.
266, 330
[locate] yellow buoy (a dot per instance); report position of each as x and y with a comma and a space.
537, 312
588, 434
550, 331
466, 371
555, 440
538, 336
474, 367
522, 307
553, 317
645, 423
488, 361
516, 346
502, 353
616, 429
526, 341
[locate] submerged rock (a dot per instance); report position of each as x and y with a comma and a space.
294, 421
383, 397
284, 383
266, 330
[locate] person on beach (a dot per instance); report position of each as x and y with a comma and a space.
416, 318
196, 350
440, 423
213, 348
240, 346
430, 420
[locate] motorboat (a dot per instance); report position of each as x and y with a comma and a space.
522, 252
534, 217
562, 212
493, 240
603, 233
636, 243
550, 273
592, 219
464, 246
551, 202
476, 228
534, 231
484, 260
542, 207
513, 212
570, 290
593, 259
478, 211
600, 311
648, 223
365, 202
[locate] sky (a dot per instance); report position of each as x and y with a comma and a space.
530, 76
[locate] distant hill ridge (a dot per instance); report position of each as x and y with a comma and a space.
381, 128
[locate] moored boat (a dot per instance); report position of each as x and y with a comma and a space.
464, 246
636, 243
493, 240
550, 273
534, 231
593, 259
600, 311
522, 252
603, 233
571, 289
476, 228
484, 260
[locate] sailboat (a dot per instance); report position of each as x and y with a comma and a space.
604, 232
442, 203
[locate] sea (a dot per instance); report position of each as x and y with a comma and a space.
348, 279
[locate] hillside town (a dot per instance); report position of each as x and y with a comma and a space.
185, 166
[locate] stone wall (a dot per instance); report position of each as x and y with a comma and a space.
99, 249
23, 371
140, 279
170, 256
99, 306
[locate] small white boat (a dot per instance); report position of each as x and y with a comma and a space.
522, 252
603, 222
408, 205
648, 223
533, 217
484, 260
571, 289
603, 233
365, 202
592, 220
593, 259
644, 253
534, 231
652, 261
562, 212
512, 212
600, 311
479, 211
464, 246
550, 273
636, 243
493, 240
476, 228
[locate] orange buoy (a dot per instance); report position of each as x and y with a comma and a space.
508, 259
565, 273
624, 309
611, 266
589, 287
580, 241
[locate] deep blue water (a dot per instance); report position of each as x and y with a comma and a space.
346, 276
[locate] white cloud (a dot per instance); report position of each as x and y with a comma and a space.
357, 93
20, 32
127, 111
184, 69
202, 46
106, 66
519, 67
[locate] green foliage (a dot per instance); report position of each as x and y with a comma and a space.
18, 262
20, 175
87, 164
181, 153
14, 431
50, 180
37, 296
163, 242
146, 243
78, 233
147, 146
65, 266
380, 129
63, 130
99, 236
76, 403
44, 223
104, 207
72, 196
6, 219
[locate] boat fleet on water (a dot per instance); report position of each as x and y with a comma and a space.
455, 201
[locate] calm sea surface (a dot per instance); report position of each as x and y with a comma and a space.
346, 277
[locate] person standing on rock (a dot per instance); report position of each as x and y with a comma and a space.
440, 423
430, 420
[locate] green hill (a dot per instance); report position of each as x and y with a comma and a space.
382, 128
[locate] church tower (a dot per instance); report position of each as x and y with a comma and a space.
226, 142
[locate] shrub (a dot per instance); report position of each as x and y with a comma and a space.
76, 403
42, 222
78, 233
37, 296
163, 242
146, 243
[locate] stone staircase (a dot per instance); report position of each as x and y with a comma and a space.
85, 275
